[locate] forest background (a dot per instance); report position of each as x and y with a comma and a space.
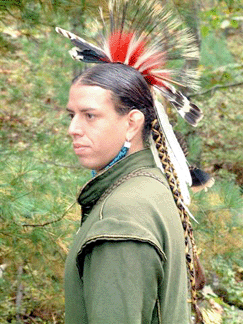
40, 176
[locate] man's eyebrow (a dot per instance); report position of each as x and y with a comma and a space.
81, 109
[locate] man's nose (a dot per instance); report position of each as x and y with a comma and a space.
76, 127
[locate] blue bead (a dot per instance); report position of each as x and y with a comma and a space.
120, 155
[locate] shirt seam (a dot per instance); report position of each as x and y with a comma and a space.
124, 237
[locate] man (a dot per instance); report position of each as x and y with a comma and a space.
128, 260
127, 263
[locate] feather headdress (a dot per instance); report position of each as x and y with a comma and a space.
148, 37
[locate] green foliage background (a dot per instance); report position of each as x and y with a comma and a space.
40, 176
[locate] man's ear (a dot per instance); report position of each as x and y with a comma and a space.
135, 124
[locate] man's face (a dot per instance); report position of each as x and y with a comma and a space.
97, 130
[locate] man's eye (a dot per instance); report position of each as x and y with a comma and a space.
71, 115
90, 116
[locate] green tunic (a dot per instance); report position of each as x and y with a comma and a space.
127, 262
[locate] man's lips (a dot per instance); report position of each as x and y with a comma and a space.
79, 148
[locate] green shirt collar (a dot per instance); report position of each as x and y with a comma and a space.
94, 188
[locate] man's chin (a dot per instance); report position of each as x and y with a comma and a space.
90, 165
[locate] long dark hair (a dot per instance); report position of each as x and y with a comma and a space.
129, 90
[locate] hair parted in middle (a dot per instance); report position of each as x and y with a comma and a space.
129, 90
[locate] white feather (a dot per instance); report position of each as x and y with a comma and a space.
175, 152
155, 154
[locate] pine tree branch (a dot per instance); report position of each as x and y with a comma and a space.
10, 13
61, 165
51, 222
217, 86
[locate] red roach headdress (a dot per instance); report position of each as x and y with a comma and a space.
150, 38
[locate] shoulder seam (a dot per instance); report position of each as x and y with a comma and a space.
116, 238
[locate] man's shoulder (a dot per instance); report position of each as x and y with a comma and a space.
143, 196
135, 185
134, 208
